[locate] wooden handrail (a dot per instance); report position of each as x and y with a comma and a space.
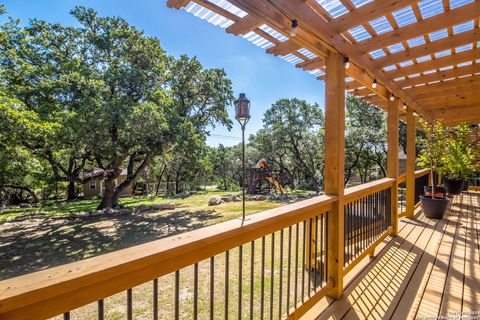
422, 172
57, 290
402, 178
360, 191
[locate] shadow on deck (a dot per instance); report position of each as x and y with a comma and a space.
431, 269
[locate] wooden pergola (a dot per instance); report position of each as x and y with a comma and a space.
407, 57
423, 53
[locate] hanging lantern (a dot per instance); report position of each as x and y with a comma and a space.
242, 108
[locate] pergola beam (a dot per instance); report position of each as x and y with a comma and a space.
438, 63
247, 24
450, 18
440, 75
443, 85
428, 48
310, 20
459, 91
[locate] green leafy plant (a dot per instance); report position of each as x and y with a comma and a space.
433, 146
459, 158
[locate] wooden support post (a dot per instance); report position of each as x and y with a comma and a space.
392, 158
411, 157
334, 164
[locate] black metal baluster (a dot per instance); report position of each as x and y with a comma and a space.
315, 255
66, 315
326, 245
155, 299
280, 277
177, 294
303, 258
227, 274
322, 258
195, 291
272, 274
212, 287
309, 266
240, 262
252, 276
295, 294
101, 310
262, 292
129, 304
289, 267
345, 234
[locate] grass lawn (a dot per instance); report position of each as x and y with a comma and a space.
32, 239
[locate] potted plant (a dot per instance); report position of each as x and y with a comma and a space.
434, 205
458, 159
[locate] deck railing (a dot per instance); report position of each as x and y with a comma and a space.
274, 264
402, 195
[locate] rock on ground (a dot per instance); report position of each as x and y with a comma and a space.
215, 201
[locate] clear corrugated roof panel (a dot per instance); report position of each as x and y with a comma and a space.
464, 64
208, 15
464, 48
381, 25
430, 8
446, 68
334, 7
414, 75
440, 34
404, 16
316, 72
348, 79
429, 71
359, 3
277, 35
257, 40
359, 33
290, 58
458, 3
378, 54
229, 7
459, 28
406, 63
394, 48
399, 79
442, 53
423, 59
307, 53
389, 68
416, 41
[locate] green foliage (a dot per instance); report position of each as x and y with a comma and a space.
292, 141
459, 157
433, 147
105, 95
365, 140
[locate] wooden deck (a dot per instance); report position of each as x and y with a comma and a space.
432, 268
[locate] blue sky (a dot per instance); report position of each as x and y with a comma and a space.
264, 78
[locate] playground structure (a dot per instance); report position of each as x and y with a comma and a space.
262, 180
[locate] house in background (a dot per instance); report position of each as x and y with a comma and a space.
96, 187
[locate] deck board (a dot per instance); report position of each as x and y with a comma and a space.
431, 268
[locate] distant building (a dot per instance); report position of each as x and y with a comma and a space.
96, 187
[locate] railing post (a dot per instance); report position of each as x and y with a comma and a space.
411, 158
392, 158
334, 164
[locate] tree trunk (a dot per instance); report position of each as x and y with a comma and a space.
71, 190
107, 200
